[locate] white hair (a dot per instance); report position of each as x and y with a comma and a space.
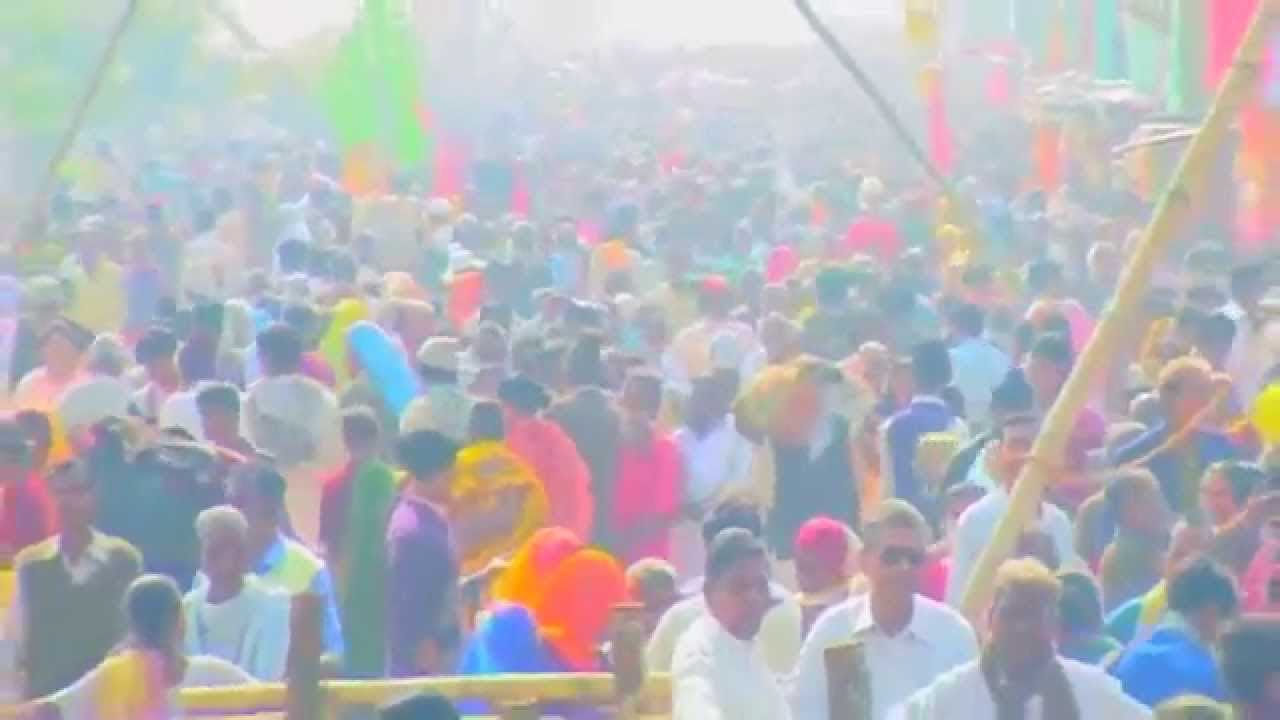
221, 521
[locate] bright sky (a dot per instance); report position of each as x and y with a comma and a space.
281, 22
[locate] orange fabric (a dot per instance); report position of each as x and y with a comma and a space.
538, 558
467, 295
576, 605
559, 467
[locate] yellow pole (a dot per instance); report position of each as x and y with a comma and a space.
1169, 216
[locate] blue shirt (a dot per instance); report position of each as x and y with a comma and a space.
1178, 469
1170, 663
902, 432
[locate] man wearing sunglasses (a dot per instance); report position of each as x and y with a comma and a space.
908, 639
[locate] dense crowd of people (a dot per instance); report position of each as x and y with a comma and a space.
780, 404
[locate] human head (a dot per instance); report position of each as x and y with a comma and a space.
257, 491
731, 514
965, 320
207, 320
832, 286
438, 359
1185, 388
292, 256
708, 403
523, 395
107, 356
1226, 487
486, 422
1249, 285
1215, 336
930, 367
1136, 502
584, 365
1047, 366
715, 297
153, 609
74, 495
1024, 614
156, 352
652, 583
1013, 396
280, 350
361, 432
1080, 606
1012, 447
224, 545
736, 587
642, 394
427, 455
1044, 278
894, 542
821, 551
1251, 666
420, 707
61, 348
1205, 596
219, 407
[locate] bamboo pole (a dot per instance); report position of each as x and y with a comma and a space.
1109, 334
36, 211
304, 698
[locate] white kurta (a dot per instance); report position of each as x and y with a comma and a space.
779, 638
1098, 695
719, 677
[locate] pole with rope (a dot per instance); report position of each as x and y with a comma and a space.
1170, 214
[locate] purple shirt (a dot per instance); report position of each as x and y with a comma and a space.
422, 565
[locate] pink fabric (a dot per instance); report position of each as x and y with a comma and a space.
1258, 576
781, 264
647, 497
874, 236
317, 368
933, 579
1228, 21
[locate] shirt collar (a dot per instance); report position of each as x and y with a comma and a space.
96, 550
271, 557
864, 624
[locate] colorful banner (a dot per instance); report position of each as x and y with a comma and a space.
1188, 55
1147, 24
1108, 40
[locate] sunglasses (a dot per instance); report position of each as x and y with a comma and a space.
893, 556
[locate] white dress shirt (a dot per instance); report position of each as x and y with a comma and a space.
778, 640
977, 526
936, 640
963, 693
720, 677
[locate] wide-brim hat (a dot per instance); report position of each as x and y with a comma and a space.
440, 353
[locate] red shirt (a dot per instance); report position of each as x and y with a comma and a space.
27, 516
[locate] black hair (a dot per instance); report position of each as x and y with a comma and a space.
967, 318
1243, 478
732, 514
1202, 584
420, 707
1249, 658
426, 453
931, 366
342, 267
1217, 330
527, 396
1080, 606
208, 315
832, 286
35, 424
152, 607
1042, 274
486, 422
74, 470
727, 549
1055, 349
1014, 394
218, 396
155, 344
1121, 485
301, 317
360, 426
954, 399
584, 366
280, 348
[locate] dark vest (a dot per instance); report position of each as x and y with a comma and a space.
70, 628
808, 487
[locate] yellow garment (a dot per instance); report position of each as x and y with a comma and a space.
608, 257
97, 300
679, 307
1150, 358
480, 474
333, 346
132, 688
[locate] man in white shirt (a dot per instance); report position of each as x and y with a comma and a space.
781, 630
908, 639
719, 673
977, 365
1020, 673
1005, 457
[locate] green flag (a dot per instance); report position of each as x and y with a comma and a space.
1108, 40
1188, 57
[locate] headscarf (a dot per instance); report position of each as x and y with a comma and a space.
333, 346
540, 556
506, 642
482, 472
825, 539
384, 364
362, 572
576, 605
